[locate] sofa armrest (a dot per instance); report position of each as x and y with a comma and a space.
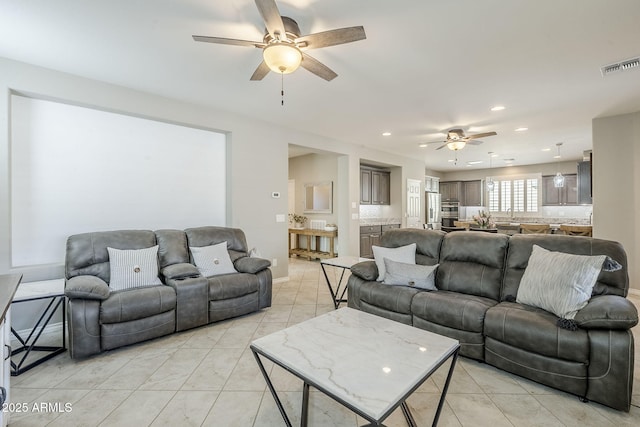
251, 265
366, 270
180, 271
607, 312
86, 287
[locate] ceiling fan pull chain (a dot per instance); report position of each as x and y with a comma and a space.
282, 88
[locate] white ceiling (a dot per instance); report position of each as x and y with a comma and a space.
425, 67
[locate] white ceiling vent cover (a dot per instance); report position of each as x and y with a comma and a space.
620, 66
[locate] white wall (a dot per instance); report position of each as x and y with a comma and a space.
616, 185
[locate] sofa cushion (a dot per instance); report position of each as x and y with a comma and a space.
558, 282
415, 275
406, 254
134, 304
366, 270
233, 285
427, 242
133, 268
472, 263
520, 246
535, 330
212, 260
452, 309
210, 235
608, 312
391, 298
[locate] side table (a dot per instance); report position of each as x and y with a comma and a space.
345, 263
53, 291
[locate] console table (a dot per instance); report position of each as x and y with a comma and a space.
307, 251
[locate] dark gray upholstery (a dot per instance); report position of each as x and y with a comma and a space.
477, 280
100, 319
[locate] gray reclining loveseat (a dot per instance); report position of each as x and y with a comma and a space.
101, 318
477, 282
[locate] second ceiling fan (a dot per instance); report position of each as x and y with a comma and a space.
284, 49
456, 139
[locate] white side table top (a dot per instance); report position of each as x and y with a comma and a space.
44, 288
344, 261
367, 361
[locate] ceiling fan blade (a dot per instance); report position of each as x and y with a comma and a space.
271, 16
222, 40
481, 135
441, 147
332, 37
317, 68
260, 72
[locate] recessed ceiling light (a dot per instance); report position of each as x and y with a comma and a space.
474, 162
423, 145
451, 160
386, 134
557, 156
497, 108
494, 155
546, 149
522, 129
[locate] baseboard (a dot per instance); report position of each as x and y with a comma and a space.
281, 279
52, 328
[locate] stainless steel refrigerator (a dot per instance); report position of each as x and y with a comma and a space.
432, 211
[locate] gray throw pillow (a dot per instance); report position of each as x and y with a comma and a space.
558, 282
133, 268
406, 254
213, 260
414, 275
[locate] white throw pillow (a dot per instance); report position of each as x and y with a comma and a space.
414, 275
558, 282
212, 260
406, 254
133, 268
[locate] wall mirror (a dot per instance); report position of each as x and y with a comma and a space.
318, 197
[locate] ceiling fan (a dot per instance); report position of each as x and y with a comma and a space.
456, 139
284, 49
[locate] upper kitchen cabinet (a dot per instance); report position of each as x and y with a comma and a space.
450, 191
584, 183
472, 193
431, 184
375, 186
567, 195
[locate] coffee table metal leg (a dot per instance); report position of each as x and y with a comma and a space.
305, 405
407, 415
446, 387
336, 300
273, 390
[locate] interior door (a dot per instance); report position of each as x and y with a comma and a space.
413, 203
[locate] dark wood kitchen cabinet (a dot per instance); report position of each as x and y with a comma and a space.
472, 191
375, 187
450, 191
567, 195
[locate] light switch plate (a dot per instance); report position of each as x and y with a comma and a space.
280, 218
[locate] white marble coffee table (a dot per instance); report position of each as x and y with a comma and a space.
367, 363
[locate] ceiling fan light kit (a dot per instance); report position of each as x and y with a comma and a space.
282, 58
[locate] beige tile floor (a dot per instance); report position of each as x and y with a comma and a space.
208, 377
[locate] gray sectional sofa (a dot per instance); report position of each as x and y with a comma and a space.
100, 318
477, 284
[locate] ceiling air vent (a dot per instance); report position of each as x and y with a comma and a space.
620, 66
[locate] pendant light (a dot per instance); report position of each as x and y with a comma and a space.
490, 183
558, 180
